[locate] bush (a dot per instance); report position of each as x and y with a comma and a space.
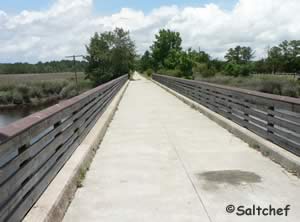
202, 70
232, 69
68, 91
25, 91
270, 86
17, 97
53, 87
149, 72
169, 72
292, 90
185, 66
5, 97
37, 92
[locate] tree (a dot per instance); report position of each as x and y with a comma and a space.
285, 57
146, 61
198, 56
275, 58
185, 65
165, 48
110, 54
122, 51
290, 51
239, 55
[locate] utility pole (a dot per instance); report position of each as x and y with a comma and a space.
75, 71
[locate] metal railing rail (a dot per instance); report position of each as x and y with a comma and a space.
275, 118
35, 148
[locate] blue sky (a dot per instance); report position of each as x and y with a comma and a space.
111, 6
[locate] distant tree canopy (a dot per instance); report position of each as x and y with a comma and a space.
239, 55
285, 57
166, 56
40, 67
110, 55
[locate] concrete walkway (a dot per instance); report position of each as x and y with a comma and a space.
162, 161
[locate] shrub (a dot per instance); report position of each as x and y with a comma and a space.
68, 91
149, 72
202, 70
5, 97
17, 97
53, 87
270, 86
170, 72
232, 69
37, 92
25, 91
292, 90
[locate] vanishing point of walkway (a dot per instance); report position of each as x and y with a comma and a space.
161, 161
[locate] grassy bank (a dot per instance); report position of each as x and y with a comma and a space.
279, 85
35, 89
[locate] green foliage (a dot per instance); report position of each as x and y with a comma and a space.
110, 55
146, 61
165, 48
239, 55
149, 72
198, 56
285, 57
202, 69
233, 69
185, 66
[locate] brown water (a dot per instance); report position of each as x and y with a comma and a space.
9, 115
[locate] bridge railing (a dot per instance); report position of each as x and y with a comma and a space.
35, 148
275, 118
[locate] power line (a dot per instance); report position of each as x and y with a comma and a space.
75, 71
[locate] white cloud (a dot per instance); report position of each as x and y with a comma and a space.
67, 26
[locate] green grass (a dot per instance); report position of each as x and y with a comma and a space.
273, 84
37, 88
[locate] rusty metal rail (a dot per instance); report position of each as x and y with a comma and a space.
35, 148
275, 118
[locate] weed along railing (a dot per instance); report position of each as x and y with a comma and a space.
275, 118
35, 148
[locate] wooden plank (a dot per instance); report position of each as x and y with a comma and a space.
247, 108
14, 165
82, 130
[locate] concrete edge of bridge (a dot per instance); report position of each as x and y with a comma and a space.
287, 160
54, 202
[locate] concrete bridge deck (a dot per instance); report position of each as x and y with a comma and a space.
160, 160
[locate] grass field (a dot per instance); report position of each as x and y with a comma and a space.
17, 89
267, 83
25, 78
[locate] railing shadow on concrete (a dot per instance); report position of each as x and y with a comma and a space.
275, 118
33, 149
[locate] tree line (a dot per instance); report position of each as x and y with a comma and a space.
42, 67
166, 56
112, 53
